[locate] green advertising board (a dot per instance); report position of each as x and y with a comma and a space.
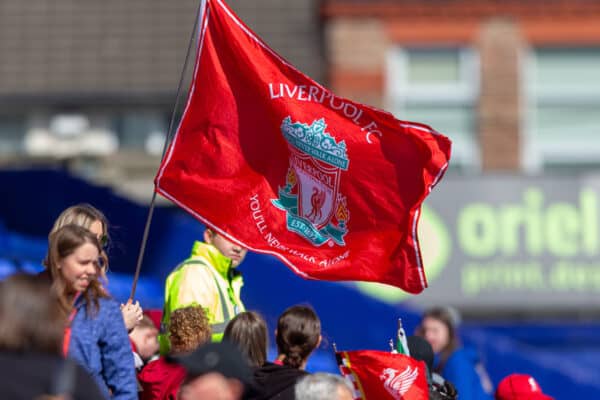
509, 242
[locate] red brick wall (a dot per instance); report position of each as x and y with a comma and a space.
356, 49
358, 33
499, 110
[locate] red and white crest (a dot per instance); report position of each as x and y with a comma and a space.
317, 187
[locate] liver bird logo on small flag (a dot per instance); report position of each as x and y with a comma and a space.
397, 383
378, 375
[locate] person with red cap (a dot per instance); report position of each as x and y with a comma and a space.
520, 387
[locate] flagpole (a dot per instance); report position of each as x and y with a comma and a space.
170, 133
401, 343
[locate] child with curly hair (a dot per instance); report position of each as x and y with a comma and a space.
161, 379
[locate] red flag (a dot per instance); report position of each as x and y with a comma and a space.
378, 375
279, 164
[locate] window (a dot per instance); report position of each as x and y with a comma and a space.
142, 130
12, 130
437, 87
563, 108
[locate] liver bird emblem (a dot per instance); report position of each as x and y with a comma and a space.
398, 384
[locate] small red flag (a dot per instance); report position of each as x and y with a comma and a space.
279, 164
378, 375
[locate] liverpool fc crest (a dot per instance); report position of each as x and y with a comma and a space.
315, 208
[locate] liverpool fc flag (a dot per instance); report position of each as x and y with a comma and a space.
279, 164
378, 375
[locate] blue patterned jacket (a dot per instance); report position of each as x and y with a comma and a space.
99, 342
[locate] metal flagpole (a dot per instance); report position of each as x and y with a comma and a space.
199, 15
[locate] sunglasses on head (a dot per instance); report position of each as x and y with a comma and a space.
103, 240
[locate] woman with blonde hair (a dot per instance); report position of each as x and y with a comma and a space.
95, 335
92, 219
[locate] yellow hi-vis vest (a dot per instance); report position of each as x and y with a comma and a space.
203, 279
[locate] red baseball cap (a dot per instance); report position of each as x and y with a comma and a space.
520, 387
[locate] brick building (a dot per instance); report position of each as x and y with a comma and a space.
515, 84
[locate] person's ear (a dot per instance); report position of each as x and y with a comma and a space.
319, 342
236, 388
208, 236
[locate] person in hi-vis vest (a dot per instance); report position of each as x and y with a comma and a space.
208, 278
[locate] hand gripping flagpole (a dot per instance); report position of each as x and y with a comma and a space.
199, 17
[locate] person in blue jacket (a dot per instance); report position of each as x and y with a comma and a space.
455, 363
95, 335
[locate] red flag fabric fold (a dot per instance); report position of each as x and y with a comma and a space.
276, 162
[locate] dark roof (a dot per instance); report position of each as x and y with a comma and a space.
115, 49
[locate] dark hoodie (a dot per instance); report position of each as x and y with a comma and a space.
272, 381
